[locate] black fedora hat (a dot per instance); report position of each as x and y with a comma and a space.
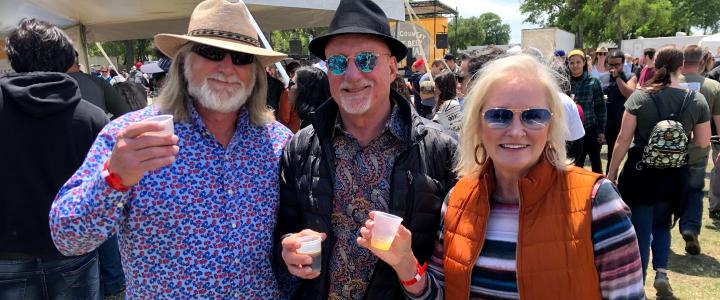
359, 17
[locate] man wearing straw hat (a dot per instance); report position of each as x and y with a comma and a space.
194, 211
367, 150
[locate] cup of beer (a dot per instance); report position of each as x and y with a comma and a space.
384, 230
311, 246
166, 120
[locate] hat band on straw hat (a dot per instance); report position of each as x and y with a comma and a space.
225, 34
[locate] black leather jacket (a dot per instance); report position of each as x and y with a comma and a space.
421, 178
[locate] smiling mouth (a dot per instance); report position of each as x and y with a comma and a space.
355, 90
514, 146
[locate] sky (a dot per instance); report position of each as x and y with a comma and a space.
508, 10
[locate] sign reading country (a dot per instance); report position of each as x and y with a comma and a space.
406, 34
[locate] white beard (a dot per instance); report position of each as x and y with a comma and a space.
355, 105
223, 100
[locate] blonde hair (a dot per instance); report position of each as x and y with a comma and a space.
174, 94
500, 70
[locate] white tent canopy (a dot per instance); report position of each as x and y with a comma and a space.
110, 20
712, 42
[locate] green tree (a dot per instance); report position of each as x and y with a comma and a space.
595, 21
465, 32
496, 33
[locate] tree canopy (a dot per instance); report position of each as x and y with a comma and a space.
596, 21
487, 29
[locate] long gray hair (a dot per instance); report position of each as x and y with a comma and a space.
174, 94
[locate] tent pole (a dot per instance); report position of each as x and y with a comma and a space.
85, 52
278, 65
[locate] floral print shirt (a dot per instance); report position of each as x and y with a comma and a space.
362, 184
199, 228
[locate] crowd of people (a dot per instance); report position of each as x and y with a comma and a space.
481, 156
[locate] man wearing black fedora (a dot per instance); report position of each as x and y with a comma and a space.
367, 150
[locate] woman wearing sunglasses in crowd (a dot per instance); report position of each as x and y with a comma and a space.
521, 222
654, 194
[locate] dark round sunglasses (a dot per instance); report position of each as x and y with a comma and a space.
217, 54
531, 118
365, 61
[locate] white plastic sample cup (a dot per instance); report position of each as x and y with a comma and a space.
384, 230
312, 246
166, 120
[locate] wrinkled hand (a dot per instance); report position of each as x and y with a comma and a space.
298, 264
140, 148
400, 250
601, 139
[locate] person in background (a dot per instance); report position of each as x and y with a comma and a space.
309, 89
653, 194
105, 74
46, 130
419, 71
691, 219
588, 93
116, 77
621, 85
599, 67
648, 71
427, 99
291, 67
367, 150
559, 56
521, 223
573, 117
133, 93
98, 92
194, 211
401, 87
447, 111
450, 61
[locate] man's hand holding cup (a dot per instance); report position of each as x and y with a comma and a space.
302, 254
144, 146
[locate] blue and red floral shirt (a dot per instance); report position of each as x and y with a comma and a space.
199, 228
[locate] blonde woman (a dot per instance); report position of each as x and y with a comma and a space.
520, 222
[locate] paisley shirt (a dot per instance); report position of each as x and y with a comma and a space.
362, 184
200, 228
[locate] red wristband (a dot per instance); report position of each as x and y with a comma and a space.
420, 271
112, 179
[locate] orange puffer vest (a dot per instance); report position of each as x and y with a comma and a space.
554, 253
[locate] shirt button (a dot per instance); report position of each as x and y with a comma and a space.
237, 260
234, 225
230, 192
237, 295
119, 205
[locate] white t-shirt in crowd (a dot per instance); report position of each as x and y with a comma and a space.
575, 128
450, 115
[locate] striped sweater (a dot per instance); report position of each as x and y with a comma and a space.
493, 277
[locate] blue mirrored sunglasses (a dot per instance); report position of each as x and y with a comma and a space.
531, 118
365, 61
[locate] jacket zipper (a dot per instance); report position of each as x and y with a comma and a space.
482, 243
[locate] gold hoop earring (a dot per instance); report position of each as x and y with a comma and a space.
479, 162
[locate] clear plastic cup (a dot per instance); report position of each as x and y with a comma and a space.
384, 230
166, 120
312, 246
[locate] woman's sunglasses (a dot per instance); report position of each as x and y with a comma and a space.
532, 118
365, 61
217, 54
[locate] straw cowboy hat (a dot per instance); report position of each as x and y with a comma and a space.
223, 24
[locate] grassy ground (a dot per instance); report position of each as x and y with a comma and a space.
691, 276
